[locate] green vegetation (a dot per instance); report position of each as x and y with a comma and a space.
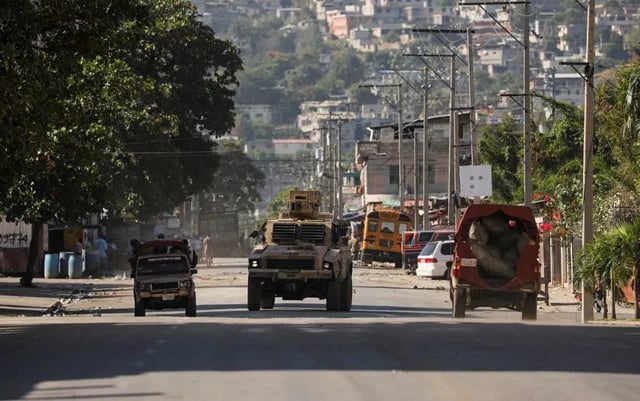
106, 115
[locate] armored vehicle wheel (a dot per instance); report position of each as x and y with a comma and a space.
138, 308
346, 294
530, 306
254, 294
268, 302
333, 295
191, 309
459, 298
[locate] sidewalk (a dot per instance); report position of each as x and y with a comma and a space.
562, 299
53, 297
77, 296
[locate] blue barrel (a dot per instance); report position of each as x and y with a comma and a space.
75, 266
51, 265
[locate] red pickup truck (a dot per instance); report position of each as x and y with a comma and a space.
496, 260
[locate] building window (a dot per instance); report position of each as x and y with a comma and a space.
393, 175
431, 175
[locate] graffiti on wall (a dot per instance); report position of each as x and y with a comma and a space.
14, 235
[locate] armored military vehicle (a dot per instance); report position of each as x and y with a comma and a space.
304, 254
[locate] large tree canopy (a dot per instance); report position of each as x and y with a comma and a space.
236, 184
107, 106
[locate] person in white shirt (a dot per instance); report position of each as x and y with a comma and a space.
101, 247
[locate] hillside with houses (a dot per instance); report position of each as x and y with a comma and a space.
307, 64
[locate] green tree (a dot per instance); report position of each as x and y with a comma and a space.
501, 147
236, 184
309, 39
610, 260
93, 107
278, 204
346, 66
632, 41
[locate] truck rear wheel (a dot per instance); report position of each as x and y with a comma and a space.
333, 295
191, 309
268, 301
138, 308
346, 294
254, 294
530, 306
459, 300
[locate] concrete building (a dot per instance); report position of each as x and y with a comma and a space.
377, 159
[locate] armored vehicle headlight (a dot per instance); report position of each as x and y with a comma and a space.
253, 263
326, 266
184, 284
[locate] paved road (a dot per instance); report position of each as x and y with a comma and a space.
398, 342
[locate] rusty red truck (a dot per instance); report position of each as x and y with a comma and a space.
496, 260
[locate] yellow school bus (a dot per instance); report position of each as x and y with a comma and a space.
382, 236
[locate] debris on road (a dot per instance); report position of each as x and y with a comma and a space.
56, 309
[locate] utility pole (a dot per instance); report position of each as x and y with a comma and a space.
472, 99
400, 138
425, 154
526, 104
452, 133
451, 86
416, 215
527, 108
587, 156
587, 151
339, 171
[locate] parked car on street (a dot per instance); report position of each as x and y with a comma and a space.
435, 259
414, 241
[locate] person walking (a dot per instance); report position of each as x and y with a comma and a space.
101, 247
206, 250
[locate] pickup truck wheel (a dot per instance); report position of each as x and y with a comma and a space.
268, 302
333, 295
346, 294
138, 308
530, 306
459, 299
191, 309
254, 294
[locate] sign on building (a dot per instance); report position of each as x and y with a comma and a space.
475, 181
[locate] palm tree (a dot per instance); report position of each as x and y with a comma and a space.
610, 261
632, 132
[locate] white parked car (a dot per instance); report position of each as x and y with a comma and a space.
435, 259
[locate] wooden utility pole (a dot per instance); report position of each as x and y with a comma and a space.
526, 104
528, 193
587, 156
339, 204
400, 138
451, 213
425, 154
472, 99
